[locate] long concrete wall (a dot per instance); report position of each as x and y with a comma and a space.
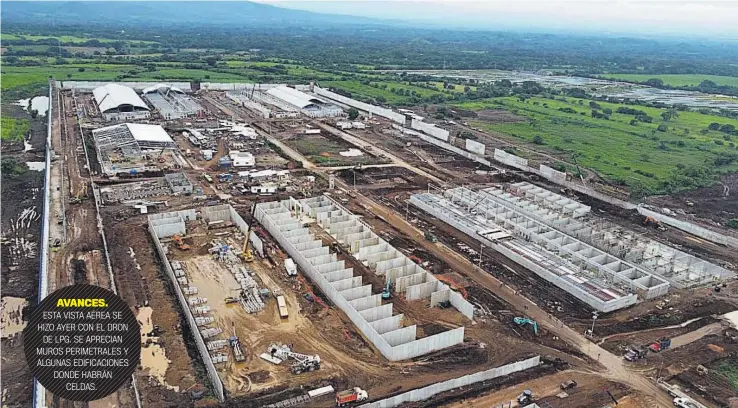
425, 393
39, 392
375, 110
446, 146
199, 341
691, 228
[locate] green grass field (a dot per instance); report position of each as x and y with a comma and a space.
14, 129
676, 80
370, 91
614, 148
13, 77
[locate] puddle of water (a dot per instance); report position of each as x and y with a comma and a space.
39, 103
12, 316
153, 357
36, 166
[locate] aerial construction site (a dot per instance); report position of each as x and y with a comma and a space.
290, 246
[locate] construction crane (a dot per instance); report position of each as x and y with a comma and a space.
522, 321
246, 254
180, 243
303, 362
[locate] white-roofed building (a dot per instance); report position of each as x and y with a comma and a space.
119, 146
118, 102
309, 105
171, 102
242, 159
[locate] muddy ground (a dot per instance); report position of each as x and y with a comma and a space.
22, 209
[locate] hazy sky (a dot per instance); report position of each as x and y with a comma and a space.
708, 17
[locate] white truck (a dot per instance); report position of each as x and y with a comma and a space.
290, 267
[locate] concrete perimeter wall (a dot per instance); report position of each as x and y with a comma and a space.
444, 145
209, 366
424, 393
375, 110
39, 392
691, 228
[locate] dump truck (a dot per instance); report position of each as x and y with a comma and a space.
635, 353
350, 396
660, 345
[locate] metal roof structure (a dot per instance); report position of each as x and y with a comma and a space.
294, 97
162, 88
113, 97
139, 136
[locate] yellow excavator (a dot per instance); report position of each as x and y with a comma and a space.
246, 254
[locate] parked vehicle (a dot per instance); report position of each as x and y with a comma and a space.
349, 396
660, 345
636, 353
567, 385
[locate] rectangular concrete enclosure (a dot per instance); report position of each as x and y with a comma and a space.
283, 220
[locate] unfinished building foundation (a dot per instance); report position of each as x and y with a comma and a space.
375, 320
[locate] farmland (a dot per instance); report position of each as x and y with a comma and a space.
676, 79
620, 149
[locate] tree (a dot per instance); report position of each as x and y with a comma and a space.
662, 128
714, 126
607, 111
537, 139
666, 116
594, 105
353, 113
727, 128
81, 69
655, 82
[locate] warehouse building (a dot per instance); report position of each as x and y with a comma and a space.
171, 102
309, 105
122, 148
242, 159
118, 102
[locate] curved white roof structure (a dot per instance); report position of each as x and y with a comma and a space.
114, 97
162, 88
294, 97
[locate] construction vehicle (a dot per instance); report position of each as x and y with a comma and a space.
282, 305
653, 222
660, 345
350, 396
635, 353
522, 321
236, 348
180, 243
429, 236
386, 294
230, 299
246, 254
302, 362
684, 403
567, 385
525, 398
207, 177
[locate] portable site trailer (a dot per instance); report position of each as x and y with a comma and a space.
282, 304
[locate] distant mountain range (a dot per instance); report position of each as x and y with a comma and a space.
163, 13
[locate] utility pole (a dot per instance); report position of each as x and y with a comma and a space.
481, 248
594, 319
